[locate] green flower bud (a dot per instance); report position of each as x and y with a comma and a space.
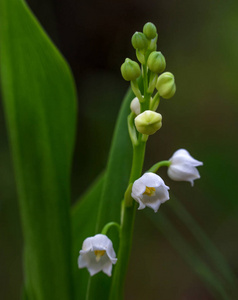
130, 70
156, 62
150, 30
166, 85
139, 41
148, 122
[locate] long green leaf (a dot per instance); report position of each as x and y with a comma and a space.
40, 107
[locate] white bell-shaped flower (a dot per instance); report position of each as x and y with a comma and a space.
135, 106
97, 255
150, 190
183, 167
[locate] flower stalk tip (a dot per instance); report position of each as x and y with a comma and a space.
150, 30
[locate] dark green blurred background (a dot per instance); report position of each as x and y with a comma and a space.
199, 40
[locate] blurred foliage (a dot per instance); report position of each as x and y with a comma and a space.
40, 110
198, 40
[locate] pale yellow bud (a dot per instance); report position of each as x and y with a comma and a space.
166, 85
148, 122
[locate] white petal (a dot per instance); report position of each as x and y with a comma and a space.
92, 270
151, 180
182, 156
155, 206
107, 269
138, 188
87, 244
141, 204
183, 173
82, 263
101, 242
111, 254
162, 193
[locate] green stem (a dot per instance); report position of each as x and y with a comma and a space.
155, 102
136, 90
145, 104
164, 163
131, 128
128, 211
127, 226
109, 225
152, 82
138, 160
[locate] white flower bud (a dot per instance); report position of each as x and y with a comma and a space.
183, 167
135, 106
150, 190
97, 255
148, 122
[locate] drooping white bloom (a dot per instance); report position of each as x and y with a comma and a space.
150, 190
97, 255
135, 106
183, 167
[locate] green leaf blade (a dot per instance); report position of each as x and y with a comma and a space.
40, 107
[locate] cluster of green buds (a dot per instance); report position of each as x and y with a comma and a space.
148, 82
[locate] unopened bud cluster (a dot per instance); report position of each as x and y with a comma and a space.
148, 81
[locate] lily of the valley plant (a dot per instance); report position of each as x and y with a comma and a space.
149, 83
40, 106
